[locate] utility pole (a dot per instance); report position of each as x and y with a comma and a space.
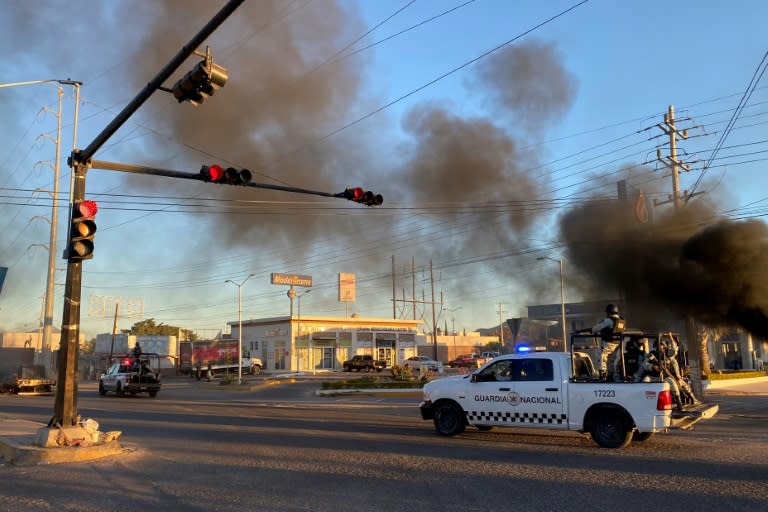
434, 319
415, 301
501, 326
672, 162
51, 279
394, 304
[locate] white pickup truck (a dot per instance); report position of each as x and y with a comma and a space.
539, 390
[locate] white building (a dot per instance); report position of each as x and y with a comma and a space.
315, 343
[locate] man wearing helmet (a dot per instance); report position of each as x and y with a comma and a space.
610, 329
661, 363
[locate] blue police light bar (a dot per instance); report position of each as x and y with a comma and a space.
523, 349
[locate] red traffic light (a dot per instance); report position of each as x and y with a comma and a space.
212, 172
87, 208
82, 230
361, 196
354, 194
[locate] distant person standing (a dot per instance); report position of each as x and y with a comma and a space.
137, 349
610, 329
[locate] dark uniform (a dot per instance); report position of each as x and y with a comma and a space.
634, 353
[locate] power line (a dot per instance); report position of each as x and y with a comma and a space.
756, 76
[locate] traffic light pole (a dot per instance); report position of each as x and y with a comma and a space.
65, 407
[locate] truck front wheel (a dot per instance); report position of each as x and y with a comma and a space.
449, 419
255, 369
610, 430
102, 391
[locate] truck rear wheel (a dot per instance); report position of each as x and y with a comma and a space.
449, 419
610, 430
153, 393
255, 369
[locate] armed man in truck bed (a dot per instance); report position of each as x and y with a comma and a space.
610, 329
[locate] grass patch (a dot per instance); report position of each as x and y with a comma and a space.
373, 383
735, 374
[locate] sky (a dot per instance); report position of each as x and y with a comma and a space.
496, 132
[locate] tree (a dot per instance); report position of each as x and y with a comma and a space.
151, 328
703, 336
88, 346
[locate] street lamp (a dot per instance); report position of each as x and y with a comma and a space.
240, 326
562, 299
298, 330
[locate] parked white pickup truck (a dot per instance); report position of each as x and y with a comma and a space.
539, 390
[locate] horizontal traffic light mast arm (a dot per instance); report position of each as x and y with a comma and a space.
169, 173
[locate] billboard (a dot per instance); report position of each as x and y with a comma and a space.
346, 287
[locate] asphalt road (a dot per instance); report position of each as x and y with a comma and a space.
280, 448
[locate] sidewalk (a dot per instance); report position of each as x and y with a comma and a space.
756, 386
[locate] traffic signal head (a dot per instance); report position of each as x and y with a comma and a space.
82, 230
361, 196
229, 176
200, 83
234, 176
212, 173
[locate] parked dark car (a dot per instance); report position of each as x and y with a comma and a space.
364, 363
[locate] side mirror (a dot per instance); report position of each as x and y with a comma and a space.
474, 378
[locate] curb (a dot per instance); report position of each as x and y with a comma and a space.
373, 392
727, 383
20, 449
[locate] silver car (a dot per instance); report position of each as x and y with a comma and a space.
417, 362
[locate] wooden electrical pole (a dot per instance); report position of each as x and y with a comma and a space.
674, 164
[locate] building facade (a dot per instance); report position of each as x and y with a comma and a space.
315, 343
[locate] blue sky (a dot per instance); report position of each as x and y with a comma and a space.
297, 110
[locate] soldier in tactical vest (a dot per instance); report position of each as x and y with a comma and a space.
610, 329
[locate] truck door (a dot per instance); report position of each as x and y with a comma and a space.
109, 377
537, 398
486, 401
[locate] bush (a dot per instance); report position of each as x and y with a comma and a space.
402, 372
